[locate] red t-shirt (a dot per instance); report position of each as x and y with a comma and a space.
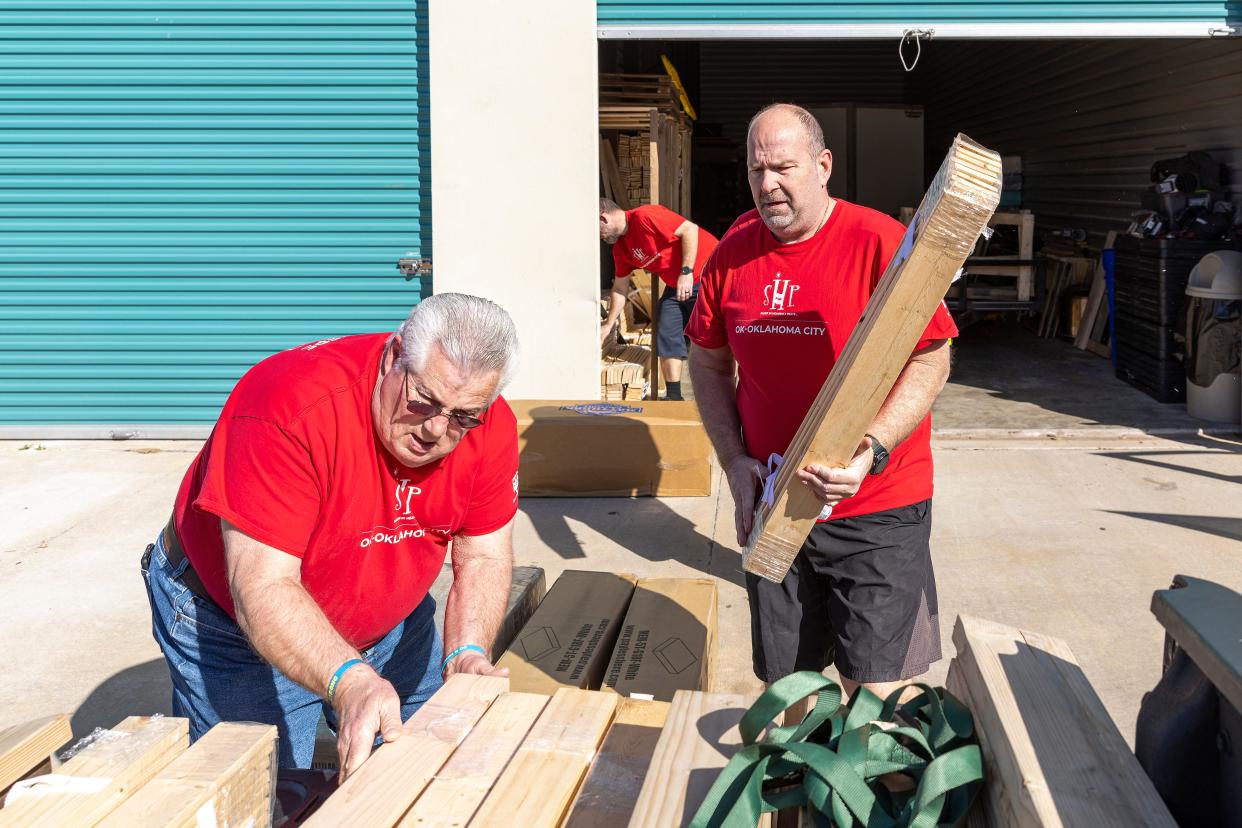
649, 244
294, 463
786, 311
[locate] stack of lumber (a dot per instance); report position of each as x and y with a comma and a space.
956, 209
139, 773
1094, 327
623, 372
1066, 277
645, 152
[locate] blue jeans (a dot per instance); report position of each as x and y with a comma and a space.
217, 676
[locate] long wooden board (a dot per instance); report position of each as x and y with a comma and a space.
954, 212
228, 777
540, 782
112, 767
26, 746
382, 790
611, 788
1052, 755
698, 738
462, 784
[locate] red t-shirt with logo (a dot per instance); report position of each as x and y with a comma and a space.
649, 243
294, 462
786, 311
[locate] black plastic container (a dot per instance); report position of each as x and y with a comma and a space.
1164, 342
1163, 379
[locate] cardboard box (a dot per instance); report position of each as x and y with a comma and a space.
607, 449
569, 640
667, 640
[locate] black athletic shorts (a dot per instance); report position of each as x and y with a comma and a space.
861, 594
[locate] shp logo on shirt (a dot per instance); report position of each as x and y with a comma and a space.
779, 296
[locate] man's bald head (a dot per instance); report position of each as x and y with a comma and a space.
790, 115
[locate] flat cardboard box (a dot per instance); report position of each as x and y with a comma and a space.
571, 448
569, 640
667, 640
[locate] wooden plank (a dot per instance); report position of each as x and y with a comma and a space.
26, 746
228, 777
541, 780
1026, 250
612, 174
110, 768
382, 790
698, 738
1053, 756
611, 787
461, 785
954, 212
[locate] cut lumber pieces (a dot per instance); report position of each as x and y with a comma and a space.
462, 784
667, 639
699, 736
108, 769
1052, 755
611, 788
942, 233
568, 641
611, 173
382, 790
24, 747
1096, 313
539, 784
227, 778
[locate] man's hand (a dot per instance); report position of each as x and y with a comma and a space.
366, 704
475, 664
605, 331
831, 486
745, 475
685, 286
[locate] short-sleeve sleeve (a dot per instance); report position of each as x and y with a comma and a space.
706, 327
494, 496
623, 264
941, 325
261, 479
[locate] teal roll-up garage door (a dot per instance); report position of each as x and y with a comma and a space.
187, 186
737, 19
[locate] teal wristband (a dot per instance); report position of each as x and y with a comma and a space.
462, 649
336, 677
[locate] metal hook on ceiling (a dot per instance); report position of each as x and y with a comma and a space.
918, 36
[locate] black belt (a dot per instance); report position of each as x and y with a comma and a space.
176, 554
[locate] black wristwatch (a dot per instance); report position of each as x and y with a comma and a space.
687, 271
879, 456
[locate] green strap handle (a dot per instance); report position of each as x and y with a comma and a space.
832, 760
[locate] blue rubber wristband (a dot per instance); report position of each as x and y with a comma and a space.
336, 677
464, 648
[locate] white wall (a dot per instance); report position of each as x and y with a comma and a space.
514, 177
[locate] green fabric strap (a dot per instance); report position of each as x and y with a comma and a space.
831, 762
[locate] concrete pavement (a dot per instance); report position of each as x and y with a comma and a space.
1067, 537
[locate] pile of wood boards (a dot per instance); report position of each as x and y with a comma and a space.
139, 773
956, 209
484, 753
1066, 277
1092, 334
645, 142
623, 372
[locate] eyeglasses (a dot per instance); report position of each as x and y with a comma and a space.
428, 410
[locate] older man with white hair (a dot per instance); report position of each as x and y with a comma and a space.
293, 576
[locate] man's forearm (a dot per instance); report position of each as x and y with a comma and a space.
912, 396
716, 396
690, 247
477, 601
616, 299
290, 631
